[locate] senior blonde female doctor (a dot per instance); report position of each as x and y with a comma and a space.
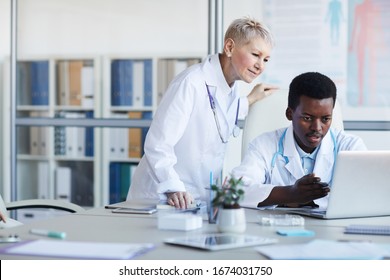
198, 113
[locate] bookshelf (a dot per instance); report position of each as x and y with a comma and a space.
134, 98
90, 166
57, 162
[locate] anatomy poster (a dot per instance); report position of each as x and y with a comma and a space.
347, 40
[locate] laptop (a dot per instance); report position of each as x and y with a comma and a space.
360, 188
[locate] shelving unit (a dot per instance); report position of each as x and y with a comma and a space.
46, 167
134, 98
39, 161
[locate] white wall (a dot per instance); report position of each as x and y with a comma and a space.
109, 27
375, 140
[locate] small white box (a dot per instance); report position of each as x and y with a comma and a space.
180, 221
26, 216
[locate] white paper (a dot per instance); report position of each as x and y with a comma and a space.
79, 250
324, 250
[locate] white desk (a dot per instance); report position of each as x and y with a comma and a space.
252, 216
100, 225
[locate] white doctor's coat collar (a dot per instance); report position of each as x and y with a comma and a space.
324, 161
213, 73
219, 88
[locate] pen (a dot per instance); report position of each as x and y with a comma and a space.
48, 233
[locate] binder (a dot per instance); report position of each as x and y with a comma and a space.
89, 137
119, 139
39, 82
87, 87
63, 91
115, 183
122, 83
42, 136
162, 84
43, 180
138, 82
71, 136
34, 140
135, 137
115, 82
23, 83
63, 183
60, 137
147, 115
81, 138
125, 180
75, 82
82, 184
35, 132
148, 82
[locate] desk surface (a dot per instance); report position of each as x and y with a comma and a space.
100, 225
252, 216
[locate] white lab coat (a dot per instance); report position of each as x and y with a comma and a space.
260, 178
183, 146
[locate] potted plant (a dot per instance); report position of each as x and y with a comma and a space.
229, 194
231, 217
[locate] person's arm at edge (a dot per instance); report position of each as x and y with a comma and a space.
2, 217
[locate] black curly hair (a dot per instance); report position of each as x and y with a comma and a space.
311, 84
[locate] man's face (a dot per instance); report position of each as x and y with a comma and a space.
311, 121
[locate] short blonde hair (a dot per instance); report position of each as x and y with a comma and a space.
245, 29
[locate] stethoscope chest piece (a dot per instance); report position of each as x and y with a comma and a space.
236, 131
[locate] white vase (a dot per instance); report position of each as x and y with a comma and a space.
231, 220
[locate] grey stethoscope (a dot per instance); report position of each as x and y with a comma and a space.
236, 129
281, 149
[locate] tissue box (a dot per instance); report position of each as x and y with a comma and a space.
180, 221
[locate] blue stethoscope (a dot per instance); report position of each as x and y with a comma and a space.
236, 129
281, 149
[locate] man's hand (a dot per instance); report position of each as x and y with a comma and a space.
180, 200
308, 188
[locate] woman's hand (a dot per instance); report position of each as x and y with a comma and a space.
260, 91
181, 200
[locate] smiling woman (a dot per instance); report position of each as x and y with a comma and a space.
205, 98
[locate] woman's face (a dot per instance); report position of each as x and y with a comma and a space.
248, 61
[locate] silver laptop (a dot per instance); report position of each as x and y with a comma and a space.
360, 188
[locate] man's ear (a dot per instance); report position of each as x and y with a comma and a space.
289, 113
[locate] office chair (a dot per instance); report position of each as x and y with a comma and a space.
35, 203
269, 114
